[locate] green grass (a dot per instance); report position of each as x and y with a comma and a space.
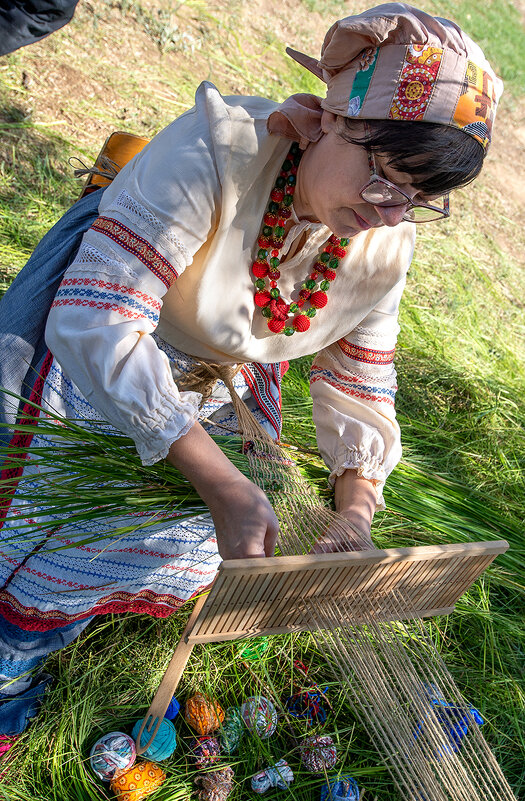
460, 404
497, 26
94, 695
35, 188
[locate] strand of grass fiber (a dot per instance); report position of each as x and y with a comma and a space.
80, 477
373, 697
93, 489
373, 662
427, 498
453, 773
435, 673
440, 503
303, 517
474, 751
444, 507
359, 665
432, 668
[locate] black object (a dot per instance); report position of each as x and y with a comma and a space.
23, 22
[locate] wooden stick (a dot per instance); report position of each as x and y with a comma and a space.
170, 681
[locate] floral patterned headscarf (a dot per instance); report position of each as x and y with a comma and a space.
396, 62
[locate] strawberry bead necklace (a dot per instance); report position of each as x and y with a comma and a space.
287, 318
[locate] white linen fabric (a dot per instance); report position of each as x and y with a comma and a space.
172, 251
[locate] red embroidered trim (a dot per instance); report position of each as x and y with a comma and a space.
22, 440
145, 602
139, 247
258, 381
353, 392
360, 354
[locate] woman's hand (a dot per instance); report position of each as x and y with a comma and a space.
355, 500
245, 522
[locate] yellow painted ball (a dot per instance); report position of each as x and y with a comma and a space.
138, 782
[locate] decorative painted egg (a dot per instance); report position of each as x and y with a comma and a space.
138, 782
318, 753
205, 750
231, 730
279, 775
215, 785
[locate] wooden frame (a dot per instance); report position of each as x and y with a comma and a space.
254, 597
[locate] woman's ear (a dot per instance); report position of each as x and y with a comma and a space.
328, 121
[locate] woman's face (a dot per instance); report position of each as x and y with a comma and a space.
331, 174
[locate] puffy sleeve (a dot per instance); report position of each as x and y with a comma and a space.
154, 217
353, 386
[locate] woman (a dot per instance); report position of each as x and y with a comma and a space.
223, 241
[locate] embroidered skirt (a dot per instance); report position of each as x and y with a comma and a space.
153, 570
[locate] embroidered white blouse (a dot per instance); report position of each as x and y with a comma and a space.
172, 250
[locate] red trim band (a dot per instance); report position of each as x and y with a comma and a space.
139, 247
360, 354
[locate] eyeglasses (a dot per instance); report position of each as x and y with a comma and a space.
380, 192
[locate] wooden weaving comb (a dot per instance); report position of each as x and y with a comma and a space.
254, 597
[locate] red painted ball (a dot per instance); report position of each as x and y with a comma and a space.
259, 269
301, 322
262, 298
318, 299
276, 326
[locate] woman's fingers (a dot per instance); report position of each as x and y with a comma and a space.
328, 544
245, 523
350, 540
270, 541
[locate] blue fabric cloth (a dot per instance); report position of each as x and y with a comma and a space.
21, 654
25, 305
23, 314
343, 788
15, 713
455, 721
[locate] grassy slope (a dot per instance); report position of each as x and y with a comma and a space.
131, 66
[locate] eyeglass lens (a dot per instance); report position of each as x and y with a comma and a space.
422, 214
381, 194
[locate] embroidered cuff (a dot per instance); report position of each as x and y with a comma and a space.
166, 425
367, 466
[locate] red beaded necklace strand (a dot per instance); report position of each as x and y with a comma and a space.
266, 267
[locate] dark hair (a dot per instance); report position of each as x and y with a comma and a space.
439, 157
